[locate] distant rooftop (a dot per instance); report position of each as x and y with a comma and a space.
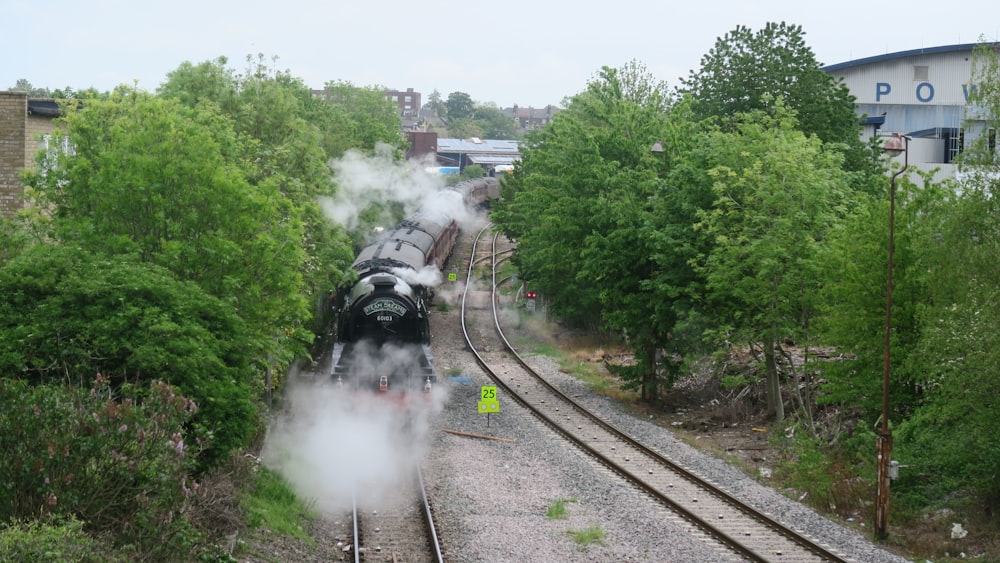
476, 145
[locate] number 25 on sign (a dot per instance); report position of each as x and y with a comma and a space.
488, 400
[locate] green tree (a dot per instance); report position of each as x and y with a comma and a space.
777, 197
854, 298
495, 123
68, 314
460, 105
295, 134
13, 239
23, 85
955, 364
363, 116
472, 171
209, 81
747, 71
465, 128
435, 103
148, 177
983, 117
580, 206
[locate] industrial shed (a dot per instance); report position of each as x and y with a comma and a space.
921, 93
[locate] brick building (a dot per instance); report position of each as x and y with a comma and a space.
408, 101
532, 118
24, 123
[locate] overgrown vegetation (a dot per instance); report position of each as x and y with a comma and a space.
115, 462
172, 263
762, 231
56, 541
271, 503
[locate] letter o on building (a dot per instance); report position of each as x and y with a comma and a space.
925, 92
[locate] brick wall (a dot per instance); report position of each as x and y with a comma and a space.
13, 153
37, 127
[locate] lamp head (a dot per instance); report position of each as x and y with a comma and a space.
895, 145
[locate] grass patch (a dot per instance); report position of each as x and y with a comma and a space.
557, 510
56, 540
539, 348
271, 503
454, 371
578, 357
592, 534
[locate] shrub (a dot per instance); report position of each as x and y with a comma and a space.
833, 480
120, 461
56, 542
67, 314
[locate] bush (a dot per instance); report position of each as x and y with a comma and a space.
833, 480
120, 461
69, 314
54, 542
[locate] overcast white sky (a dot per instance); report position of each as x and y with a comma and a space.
530, 53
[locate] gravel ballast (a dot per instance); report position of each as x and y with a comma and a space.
491, 497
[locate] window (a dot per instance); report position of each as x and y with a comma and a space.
48, 144
920, 72
954, 143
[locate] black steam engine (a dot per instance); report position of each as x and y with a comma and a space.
383, 331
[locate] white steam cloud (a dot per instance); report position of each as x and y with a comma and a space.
364, 181
428, 276
333, 442
367, 180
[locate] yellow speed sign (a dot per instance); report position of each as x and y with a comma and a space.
488, 399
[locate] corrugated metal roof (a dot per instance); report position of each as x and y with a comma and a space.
904, 54
492, 159
477, 146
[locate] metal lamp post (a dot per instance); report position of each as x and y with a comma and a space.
895, 145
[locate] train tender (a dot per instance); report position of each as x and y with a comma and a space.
383, 330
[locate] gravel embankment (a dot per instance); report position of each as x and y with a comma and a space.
491, 497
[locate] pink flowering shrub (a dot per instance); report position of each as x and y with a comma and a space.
118, 460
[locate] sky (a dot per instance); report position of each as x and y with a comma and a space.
511, 52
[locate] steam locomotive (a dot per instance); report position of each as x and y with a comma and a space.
383, 330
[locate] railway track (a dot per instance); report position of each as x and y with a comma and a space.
397, 527
752, 534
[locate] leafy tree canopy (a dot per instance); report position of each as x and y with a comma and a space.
293, 135
68, 314
466, 128
748, 70
495, 123
778, 194
951, 366
579, 204
459, 105
148, 177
